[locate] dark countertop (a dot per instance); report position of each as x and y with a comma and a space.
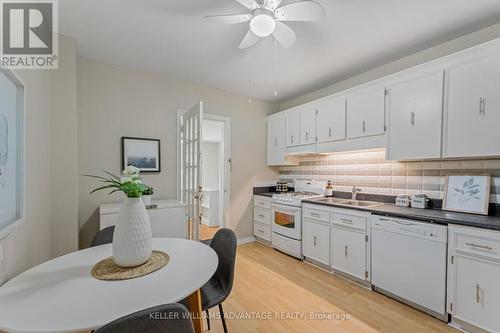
426, 215
265, 194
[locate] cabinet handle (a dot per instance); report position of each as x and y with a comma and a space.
275, 141
482, 106
261, 215
412, 119
307, 136
345, 251
484, 247
315, 214
291, 138
364, 126
478, 293
346, 221
330, 132
315, 241
261, 231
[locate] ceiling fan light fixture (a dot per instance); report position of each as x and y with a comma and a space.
262, 23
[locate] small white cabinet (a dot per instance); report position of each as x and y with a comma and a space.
307, 126
366, 113
262, 216
331, 120
315, 233
276, 145
473, 111
473, 277
292, 128
415, 113
349, 243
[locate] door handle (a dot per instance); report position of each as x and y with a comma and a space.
345, 251
412, 118
364, 126
330, 132
482, 106
315, 241
478, 293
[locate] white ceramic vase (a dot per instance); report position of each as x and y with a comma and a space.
147, 199
132, 239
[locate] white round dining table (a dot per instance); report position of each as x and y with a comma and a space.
61, 296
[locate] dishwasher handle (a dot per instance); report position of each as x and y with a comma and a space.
397, 221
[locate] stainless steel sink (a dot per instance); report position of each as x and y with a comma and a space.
358, 203
351, 203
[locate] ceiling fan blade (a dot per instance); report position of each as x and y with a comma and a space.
284, 34
272, 4
250, 4
249, 40
307, 10
229, 19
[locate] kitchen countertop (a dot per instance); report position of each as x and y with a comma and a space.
426, 215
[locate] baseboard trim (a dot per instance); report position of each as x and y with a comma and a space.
246, 240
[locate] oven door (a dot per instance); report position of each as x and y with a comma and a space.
287, 221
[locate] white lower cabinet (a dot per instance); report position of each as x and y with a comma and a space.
315, 240
262, 216
349, 243
349, 252
473, 278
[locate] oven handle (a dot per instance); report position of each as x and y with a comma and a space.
285, 209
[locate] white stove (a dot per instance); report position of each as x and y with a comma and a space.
287, 215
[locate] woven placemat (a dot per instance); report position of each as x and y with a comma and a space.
107, 269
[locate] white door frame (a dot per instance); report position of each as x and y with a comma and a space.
226, 173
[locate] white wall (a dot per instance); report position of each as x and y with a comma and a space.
415, 59
50, 168
114, 102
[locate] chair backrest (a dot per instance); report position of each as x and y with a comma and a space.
166, 318
105, 236
224, 244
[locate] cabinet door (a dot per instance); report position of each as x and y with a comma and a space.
473, 111
348, 252
315, 241
276, 136
331, 121
292, 129
366, 113
308, 126
477, 293
416, 109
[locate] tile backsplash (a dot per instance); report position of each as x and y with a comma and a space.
373, 174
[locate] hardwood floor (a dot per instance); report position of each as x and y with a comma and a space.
207, 232
269, 281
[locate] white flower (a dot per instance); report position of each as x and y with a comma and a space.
131, 171
124, 180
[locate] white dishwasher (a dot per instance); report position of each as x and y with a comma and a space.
409, 262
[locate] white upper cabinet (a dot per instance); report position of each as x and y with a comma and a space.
307, 126
473, 112
366, 113
331, 120
415, 118
276, 145
292, 129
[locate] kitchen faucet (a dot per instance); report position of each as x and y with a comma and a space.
355, 191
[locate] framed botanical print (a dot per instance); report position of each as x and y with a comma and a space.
11, 151
141, 153
467, 193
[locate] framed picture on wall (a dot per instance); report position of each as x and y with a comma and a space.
141, 153
467, 193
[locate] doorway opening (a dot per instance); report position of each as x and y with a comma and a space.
215, 164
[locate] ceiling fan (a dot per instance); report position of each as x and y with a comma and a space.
267, 16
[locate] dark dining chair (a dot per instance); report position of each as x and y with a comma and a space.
218, 288
104, 236
168, 318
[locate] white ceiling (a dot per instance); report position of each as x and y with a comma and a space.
171, 37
